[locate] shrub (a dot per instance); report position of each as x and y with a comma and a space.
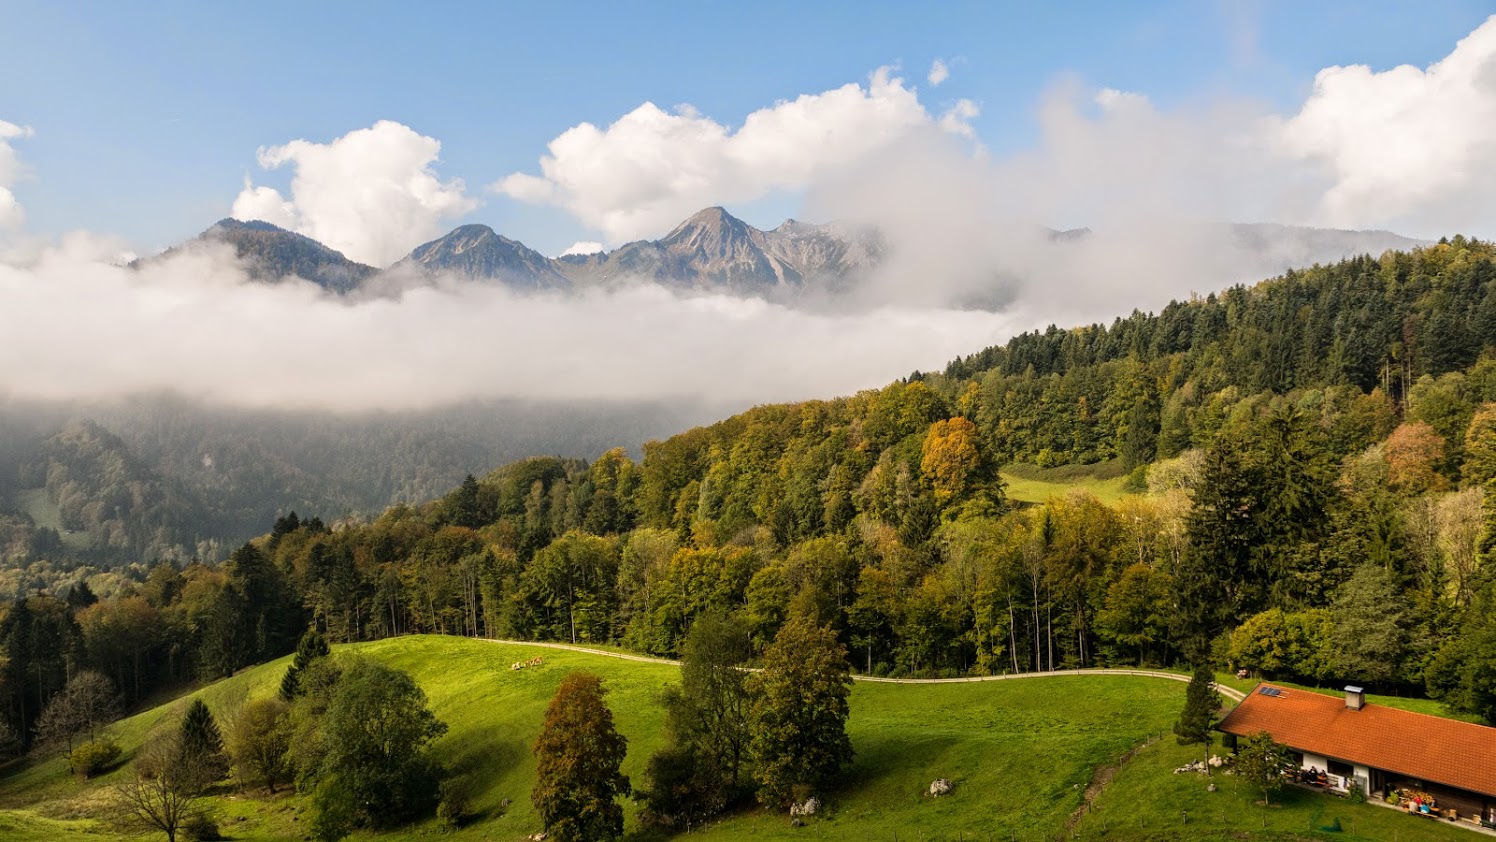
452, 810
200, 827
93, 757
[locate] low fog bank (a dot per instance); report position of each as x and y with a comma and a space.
77, 327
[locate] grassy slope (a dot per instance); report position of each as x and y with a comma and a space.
44, 513
1032, 484
1020, 752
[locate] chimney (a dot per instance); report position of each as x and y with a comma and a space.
1355, 698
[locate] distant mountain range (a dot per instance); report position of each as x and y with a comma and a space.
711, 251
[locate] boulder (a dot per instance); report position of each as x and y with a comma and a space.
939, 787
806, 808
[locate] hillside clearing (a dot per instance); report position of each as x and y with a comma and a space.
37, 503
1026, 483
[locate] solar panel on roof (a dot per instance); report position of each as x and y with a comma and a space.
1270, 691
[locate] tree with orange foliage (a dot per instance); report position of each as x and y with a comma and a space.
1412, 451
952, 461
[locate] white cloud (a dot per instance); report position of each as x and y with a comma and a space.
957, 119
11, 214
651, 168
372, 194
1113, 100
1405, 146
434, 345
939, 72
583, 247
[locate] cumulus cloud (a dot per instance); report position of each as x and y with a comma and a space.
939, 72
651, 168
193, 324
1406, 145
11, 215
372, 194
583, 247
957, 119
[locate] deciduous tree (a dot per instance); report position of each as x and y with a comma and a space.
578, 757
1261, 762
86, 704
799, 713
258, 738
164, 788
376, 770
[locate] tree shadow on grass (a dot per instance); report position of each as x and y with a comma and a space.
480, 760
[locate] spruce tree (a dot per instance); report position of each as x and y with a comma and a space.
1200, 705
201, 745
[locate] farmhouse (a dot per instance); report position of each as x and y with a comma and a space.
1376, 748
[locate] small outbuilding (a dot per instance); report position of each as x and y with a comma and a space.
1350, 743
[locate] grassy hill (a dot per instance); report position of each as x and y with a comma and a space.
1022, 762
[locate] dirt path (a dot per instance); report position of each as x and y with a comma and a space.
1100, 779
1229, 693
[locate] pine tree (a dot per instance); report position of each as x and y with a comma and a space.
1200, 706
313, 645
578, 756
201, 743
81, 596
463, 506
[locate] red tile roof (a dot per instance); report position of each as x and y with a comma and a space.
1416, 745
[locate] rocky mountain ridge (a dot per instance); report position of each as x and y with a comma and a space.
711, 251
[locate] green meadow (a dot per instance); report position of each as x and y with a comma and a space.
1027, 483
1021, 754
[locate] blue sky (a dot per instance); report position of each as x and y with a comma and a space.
147, 120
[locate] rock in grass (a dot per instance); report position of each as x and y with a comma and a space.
939, 787
806, 808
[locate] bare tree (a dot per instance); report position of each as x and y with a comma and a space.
88, 703
164, 789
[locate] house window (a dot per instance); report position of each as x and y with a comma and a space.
1344, 770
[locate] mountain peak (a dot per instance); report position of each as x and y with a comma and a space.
270, 253
478, 252
715, 213
476, 229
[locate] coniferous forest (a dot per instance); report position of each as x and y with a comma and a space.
1312, 456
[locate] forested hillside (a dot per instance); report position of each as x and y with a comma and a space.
1312, 456
105, 487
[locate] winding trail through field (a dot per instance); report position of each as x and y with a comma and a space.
1230, 693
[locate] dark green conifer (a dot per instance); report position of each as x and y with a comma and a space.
313, 645
201, 744
1200, 705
